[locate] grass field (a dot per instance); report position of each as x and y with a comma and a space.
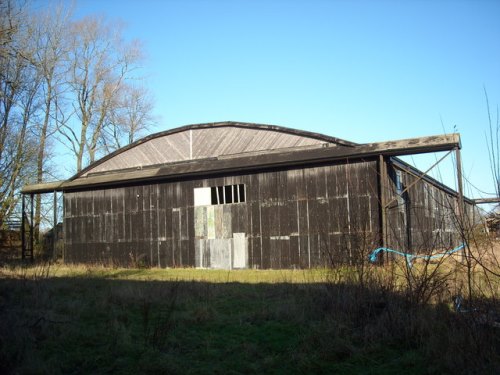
80, 320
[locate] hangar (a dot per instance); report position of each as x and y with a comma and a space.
240, 195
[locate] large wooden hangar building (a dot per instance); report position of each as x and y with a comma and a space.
238, 195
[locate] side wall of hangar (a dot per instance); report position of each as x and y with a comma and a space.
266, 197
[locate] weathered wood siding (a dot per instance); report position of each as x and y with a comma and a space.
205, 143
299, 218
424, 218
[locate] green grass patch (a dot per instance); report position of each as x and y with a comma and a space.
84, 320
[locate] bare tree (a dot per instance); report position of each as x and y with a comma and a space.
49, 57
66, 80
130, 119
100, 63
19, 87
493, 144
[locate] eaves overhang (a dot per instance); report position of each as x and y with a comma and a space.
242, 163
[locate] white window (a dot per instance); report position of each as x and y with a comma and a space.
202, 196
215, 195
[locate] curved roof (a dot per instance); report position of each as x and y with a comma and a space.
209, 140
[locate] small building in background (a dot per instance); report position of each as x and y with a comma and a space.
237, 195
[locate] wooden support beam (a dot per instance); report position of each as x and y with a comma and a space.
382, 173
460, 197
23, 229
54, 231
486, 200
242, 162
461, 212
32, 226
46, 187
419, 178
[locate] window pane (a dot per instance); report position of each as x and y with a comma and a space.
229, 193
220, 191
235, 193
214, 195
242, 192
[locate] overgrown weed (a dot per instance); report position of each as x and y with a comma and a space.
344, 319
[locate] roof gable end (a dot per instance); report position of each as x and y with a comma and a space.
208, 140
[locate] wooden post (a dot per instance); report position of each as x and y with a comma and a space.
461, 213
32, 227
23, 223
461, 209
382, 171
54, 231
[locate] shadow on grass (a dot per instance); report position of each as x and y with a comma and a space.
96, 325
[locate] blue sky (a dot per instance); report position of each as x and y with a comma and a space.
360, 70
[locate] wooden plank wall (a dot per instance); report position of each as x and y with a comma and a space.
296, 218
423, 219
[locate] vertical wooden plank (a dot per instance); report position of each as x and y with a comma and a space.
304, 233
54, 231
198, 250
23, 228
210, 220
284, 218
275, 252
255, 252
226, 221
184, 236
301, 184
294, 251
240, 250
460, 198
175, 237
265, 252
200, 223
218, 218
